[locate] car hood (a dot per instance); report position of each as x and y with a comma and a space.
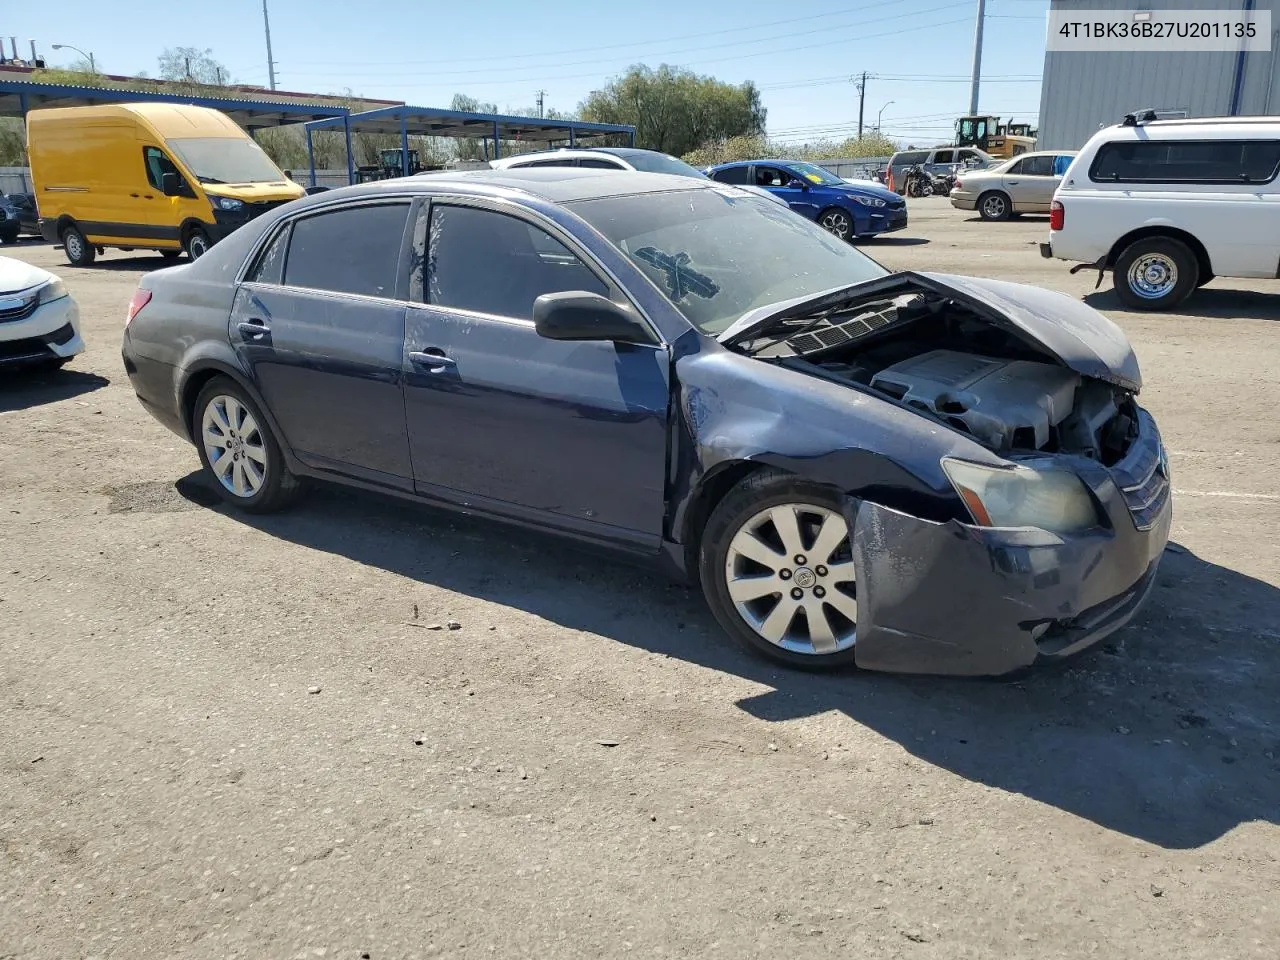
1078, 336
16, 275
869, 190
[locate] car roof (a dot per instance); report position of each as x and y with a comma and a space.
556, 184
747, 163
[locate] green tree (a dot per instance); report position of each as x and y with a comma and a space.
470, 148
675, 110
192, 65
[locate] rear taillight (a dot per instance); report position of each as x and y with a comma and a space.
139, 300
957, 185
1057, 215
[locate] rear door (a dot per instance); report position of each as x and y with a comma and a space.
1030, 183
319, 322
571, 435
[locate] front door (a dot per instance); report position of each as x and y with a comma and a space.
566, 434
776, 180
320, 324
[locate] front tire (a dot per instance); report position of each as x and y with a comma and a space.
995, 206
76, 247
171, 254
239, 453
777, 571
836, 222
1155, 273
197, 244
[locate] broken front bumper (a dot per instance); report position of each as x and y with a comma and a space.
953, 598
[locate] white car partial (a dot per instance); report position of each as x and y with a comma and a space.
39, 320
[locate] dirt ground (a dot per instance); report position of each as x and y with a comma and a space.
585, 767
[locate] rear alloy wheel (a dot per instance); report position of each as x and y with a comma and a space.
1155, 273
238, 450
197, 244
994, 206
837, 222
778, 571
79, 253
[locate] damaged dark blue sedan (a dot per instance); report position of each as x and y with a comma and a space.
902, 471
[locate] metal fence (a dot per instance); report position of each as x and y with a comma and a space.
863, 168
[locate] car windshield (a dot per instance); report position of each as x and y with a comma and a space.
661, 163
719, 253
815, 174
225, 160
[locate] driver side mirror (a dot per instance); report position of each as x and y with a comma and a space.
795, 184
171, 184
579, 315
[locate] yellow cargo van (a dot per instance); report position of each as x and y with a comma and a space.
151, 176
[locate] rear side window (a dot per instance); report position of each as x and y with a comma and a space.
911, 157
563, 162
491, 263
943, 156
1041, 166
1188, 161
353, 250
731, 175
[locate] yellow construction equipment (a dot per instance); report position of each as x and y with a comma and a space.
1001, 141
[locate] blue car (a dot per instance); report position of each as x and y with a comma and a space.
848, 210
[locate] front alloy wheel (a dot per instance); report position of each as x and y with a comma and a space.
836, 222
778, 571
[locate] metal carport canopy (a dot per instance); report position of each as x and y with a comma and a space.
433, 122
18, 97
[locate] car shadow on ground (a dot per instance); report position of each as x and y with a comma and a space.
142, 261
26, 387
892, 241
1219, 303
1169, 732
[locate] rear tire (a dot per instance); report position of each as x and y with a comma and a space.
1155, 273
811, 567
994, 205
238, 451
76, 247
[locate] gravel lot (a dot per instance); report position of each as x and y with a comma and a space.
585, 767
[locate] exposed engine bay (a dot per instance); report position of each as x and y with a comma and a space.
944, 359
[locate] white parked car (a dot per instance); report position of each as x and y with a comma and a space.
615, 158
39, 322
1167, 205
1024, 184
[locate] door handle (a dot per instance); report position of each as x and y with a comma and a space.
432, 359
1012, 183
254, 330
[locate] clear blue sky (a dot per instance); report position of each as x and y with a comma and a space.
504, 51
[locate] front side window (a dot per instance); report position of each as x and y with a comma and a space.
1060, 164
488, 262
650, 161
943, 156
158, 164
598, 164
352, 250
737, 175
718, 254
771, 177
561, 162
1202, 161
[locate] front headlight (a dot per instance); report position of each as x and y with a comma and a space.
1054, 500
867, 201
53, 290
226, 203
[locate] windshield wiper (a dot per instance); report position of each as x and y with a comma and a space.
681, 278
209, 179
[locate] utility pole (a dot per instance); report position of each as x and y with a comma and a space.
977, 59
541, 94
271, 63
862, 98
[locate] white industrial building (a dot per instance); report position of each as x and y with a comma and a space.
1087, 90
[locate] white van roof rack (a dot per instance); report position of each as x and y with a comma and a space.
1150, 115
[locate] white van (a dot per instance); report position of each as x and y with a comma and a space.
1168, 205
